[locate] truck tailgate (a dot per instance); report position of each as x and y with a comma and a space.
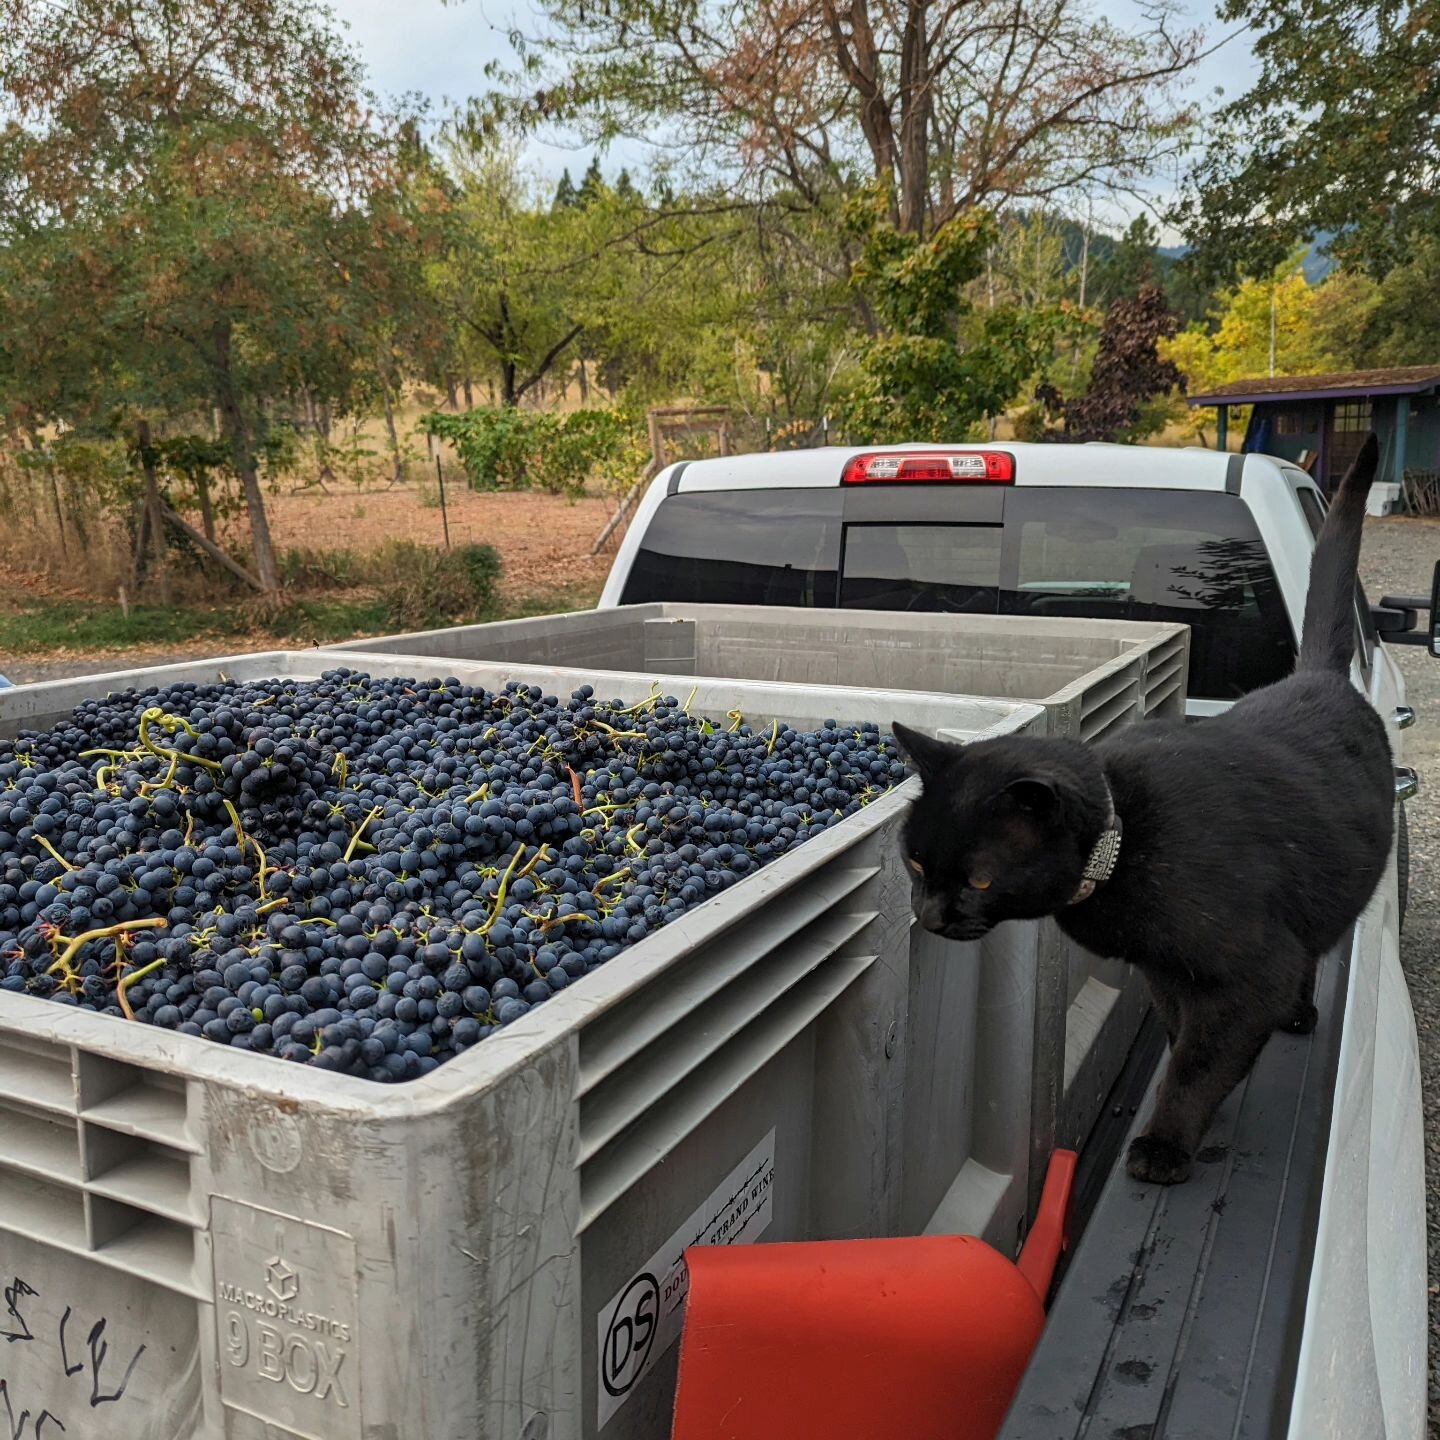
1181, 1311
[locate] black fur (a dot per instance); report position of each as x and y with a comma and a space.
1251, 843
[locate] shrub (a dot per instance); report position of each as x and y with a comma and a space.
526, 449
422, 587
302, 567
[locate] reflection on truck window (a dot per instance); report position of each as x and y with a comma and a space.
952, 568
1188, 556
1192, 557
758, 547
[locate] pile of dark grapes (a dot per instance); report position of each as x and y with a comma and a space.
372, 875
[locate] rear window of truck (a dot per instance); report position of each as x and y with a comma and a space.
1159, 555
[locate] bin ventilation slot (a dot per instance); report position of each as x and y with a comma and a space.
606, 1176
135, 1102
41, 1211
1111, 700
43, 1145
140, 1243
1164, 674
95, 1158
140, 1173
40, 1075
664, 1065
633, 1025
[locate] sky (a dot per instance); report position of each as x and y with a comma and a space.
441, 51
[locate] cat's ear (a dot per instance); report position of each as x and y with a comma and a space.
928, 755
1034, 794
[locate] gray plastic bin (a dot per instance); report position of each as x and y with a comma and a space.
199, 1243
1088, 674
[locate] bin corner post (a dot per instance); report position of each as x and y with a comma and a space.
1047, 1089
530, 1367
1222, 427
861, 1045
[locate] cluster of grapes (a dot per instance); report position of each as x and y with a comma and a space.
372, 875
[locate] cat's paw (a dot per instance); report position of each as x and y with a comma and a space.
1157, 1162
1302, 1022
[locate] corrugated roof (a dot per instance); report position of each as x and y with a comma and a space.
1400, 380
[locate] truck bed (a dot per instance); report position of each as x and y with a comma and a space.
1179, 1313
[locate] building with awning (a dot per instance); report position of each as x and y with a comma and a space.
1319, 422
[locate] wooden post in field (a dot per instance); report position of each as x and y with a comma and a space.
440, 480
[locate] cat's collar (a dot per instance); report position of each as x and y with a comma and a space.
1103, 857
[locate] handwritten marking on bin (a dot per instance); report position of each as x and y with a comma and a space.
84, 1355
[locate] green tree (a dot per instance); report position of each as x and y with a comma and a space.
509, 277
1405, 327
564, 192
210, 184
936, 365
1258, 318
1337, 136
1132, 266
592, 184
1345, 321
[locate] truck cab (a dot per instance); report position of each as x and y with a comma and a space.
1118, 532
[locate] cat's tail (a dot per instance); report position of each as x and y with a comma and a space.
1328, 641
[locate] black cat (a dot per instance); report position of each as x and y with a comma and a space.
1222, 858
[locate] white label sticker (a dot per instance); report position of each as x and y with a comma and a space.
644, 1319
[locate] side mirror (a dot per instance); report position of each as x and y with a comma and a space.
1435, 612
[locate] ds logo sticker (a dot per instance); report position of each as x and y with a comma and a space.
644, 1318
631, 1334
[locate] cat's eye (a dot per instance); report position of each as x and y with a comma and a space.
980, 882
915, 865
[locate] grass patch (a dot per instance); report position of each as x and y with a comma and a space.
317, 622
81, 627
549, 602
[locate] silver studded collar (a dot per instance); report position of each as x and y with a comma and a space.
1104, 856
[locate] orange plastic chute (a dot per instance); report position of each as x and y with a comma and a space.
910, 1339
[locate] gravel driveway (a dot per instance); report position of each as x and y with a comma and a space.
1398, 558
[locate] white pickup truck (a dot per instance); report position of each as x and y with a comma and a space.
1283, 1291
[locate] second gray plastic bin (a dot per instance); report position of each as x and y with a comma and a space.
1087, 674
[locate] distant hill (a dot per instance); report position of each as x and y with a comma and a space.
1315, 266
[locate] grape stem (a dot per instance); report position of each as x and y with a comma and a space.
538, 859
615, 734
128, 980
359, 831
500, 892
72, 946
240, 836
156, 716
41, 840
